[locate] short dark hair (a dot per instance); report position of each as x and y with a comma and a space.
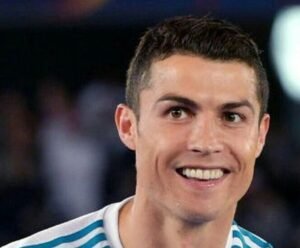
206, 37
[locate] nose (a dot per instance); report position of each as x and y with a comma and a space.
205, 136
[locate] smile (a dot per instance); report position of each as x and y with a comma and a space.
201, 174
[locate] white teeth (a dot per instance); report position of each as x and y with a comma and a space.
206, 174
203, 174
199, 173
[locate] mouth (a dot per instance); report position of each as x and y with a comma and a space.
202, 174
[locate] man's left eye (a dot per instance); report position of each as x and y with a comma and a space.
232, 117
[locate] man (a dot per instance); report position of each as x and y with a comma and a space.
196, 117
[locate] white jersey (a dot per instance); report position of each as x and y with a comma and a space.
100, 229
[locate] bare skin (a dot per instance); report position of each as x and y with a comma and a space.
168, 232
196, 142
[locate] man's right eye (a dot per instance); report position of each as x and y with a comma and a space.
178, 113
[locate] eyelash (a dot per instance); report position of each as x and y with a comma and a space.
228, 114
183, 110
188, 112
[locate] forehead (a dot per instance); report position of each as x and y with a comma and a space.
195, 76
177, 63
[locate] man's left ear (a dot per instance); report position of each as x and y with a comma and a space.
263, 130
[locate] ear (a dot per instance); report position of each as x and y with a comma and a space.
126, 124
263, 130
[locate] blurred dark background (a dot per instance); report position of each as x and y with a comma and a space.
62, 72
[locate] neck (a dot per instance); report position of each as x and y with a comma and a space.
142, 225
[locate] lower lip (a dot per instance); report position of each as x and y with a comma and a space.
202, 184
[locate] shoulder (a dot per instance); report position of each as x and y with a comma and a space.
84, 231
244, 238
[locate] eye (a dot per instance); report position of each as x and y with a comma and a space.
233, 117
178, 113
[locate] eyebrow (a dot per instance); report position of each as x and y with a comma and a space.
179, 99
192, 104
239, 104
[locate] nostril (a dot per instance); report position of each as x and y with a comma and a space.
205, 145
205, 150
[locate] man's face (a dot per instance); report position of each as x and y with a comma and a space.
197, 137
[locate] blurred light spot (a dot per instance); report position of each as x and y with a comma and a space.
285, 49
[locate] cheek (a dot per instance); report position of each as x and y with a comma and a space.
252, 145
247, 142
150, 165
155, 151
247, 149
161, 137
244, 148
